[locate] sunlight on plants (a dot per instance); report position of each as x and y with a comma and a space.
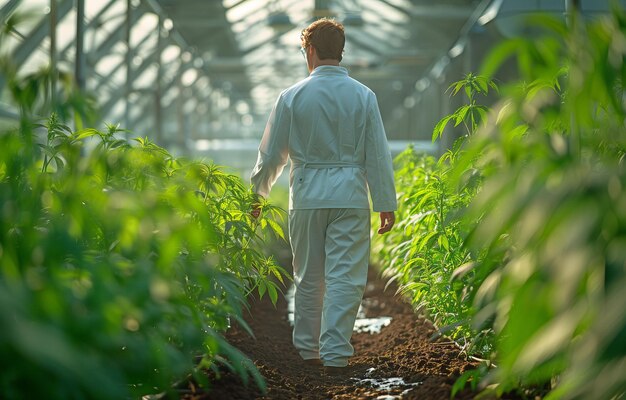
121, 266
513, 241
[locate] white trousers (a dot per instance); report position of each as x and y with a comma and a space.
330, 260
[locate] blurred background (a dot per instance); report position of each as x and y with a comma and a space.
199, 77
514, 244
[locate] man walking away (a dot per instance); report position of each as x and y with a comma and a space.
330, 127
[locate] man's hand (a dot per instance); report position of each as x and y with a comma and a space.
257, 205
256, 210
387, 219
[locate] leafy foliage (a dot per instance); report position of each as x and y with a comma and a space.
542, 238
121, 264
551, 212
470, 114
426, 252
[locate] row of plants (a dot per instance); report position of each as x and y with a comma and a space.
121, 266
425, 250
514, 241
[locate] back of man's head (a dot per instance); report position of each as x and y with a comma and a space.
327, 37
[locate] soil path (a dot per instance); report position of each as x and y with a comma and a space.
402, 349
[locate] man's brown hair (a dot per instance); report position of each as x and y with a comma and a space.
327, 36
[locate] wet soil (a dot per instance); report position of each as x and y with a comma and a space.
403, 349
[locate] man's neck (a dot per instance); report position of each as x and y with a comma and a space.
329, 61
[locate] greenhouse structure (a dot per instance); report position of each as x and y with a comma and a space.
201, 76
137, 260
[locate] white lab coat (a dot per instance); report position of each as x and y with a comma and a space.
329, 125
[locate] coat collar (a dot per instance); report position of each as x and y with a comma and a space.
325, 70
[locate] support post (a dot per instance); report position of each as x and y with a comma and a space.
445, 107
128, 60
80, 45
180, 139
53, 54
573, 18
158, 94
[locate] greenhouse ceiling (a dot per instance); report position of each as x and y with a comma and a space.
252, 46
248, 49
185, 71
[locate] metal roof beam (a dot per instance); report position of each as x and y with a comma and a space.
91, 25
365, 46
441, 11
199, 96
4, 15
118, 35
122, 63
256, 9
237, 4
253, 28
201, 22
30, 43
137, 72
7, 9
134, 74
262, 43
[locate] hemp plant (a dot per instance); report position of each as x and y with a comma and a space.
121, 266
426, 254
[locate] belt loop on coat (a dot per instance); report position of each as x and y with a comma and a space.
327, 164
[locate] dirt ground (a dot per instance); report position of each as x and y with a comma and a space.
402, 349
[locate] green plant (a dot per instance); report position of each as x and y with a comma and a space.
426, 252
120, 265
551, 212
470, 114
543, 233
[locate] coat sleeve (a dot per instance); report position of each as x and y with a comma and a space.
273, 150
378, 163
